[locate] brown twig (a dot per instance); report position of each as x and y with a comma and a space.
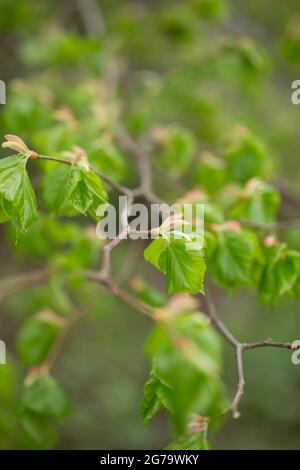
15, 283
92, 17
142, 160
284, 225
118, 187
121, 294
239, 348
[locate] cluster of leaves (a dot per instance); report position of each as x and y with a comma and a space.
74, 184
184, 379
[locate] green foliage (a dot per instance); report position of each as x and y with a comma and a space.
258, 203
36, 338
177, 148
233, 258
80, 186
182, 261
155, 398
43, 403
8, 399
44, 397
62, 49
17, 195
290, 43
281, 271
246, 156
184, 345
208, 9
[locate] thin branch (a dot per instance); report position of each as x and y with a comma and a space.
106, 252
62, 337
118, 187
121, 294
142, 160
239, 349
13, 284
269, 343
285, 225
92, 17
219, 325
287, 192
241, 382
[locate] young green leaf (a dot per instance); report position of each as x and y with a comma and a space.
181, 260
184, 346
17, 195
185, 267
58, 185
259, 203
45, 397
233, 257
177, 146
35, 339
79, 185
37, 431
281, 271
246, 156
154, 398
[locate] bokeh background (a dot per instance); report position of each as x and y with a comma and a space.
206, 65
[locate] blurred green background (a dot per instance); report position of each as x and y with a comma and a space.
206, 65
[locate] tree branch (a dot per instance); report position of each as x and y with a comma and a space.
219, 325
241, 382
13, 284
121, 294
142, 160
269, 343
118, 187
239, 348
284, 225
92, 17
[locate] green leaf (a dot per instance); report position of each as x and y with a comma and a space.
185, 267
58, 185
81, 197
195, 441
210, 172
281, 270
208, 9
82, 187
35, 339
154, 251
45, 397
251, 55
4, 217
178, 146
148, 294
38, 431
18, 198
181, 260
258, 203
154, 399
232, 260
96, 191
246, 156
186, 358
88, 193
